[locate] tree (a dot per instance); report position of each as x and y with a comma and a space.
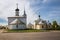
54, 25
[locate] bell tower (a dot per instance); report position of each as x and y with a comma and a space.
17, 11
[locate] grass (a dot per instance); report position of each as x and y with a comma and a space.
19, 31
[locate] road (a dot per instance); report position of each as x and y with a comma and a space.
30, 36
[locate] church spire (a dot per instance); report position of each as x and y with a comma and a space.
17, 10
24, 10
24, 13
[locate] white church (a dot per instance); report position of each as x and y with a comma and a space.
17, 22
40, 24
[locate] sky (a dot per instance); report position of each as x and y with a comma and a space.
47, 9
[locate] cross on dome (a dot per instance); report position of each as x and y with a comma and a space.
17, 7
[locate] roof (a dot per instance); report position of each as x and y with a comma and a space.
16, 21
17, 17
40, 21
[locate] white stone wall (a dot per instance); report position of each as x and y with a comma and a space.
38, 27
11, 19
19, 27
22, 27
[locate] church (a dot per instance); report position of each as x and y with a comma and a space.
20, 22
17, 22
41, 24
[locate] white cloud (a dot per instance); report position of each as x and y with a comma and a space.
54, 14
8, 7
44, 1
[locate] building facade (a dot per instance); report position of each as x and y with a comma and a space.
41, 24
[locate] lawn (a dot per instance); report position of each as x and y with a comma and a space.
17, 31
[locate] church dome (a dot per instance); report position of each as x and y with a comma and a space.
17, 9
40, 21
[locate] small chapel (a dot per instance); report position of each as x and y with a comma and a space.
17, 21
41, 24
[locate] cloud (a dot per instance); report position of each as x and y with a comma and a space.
3, 21
45, 1
54, 13
48, 9
8, 7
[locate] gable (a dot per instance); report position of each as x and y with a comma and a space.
16, 21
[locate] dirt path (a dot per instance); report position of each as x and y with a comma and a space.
31, 36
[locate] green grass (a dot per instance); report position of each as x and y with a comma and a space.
17, 31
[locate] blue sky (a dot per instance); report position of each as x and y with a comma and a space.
47, 9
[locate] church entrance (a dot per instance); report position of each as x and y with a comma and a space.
16, 25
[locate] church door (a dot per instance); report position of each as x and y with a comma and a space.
16, 25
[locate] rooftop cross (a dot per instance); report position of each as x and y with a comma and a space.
17, 5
